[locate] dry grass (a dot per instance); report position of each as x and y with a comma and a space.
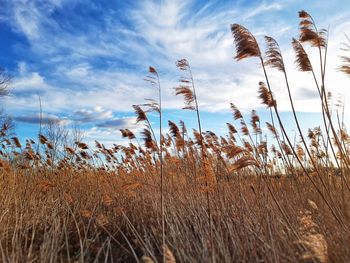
95, 216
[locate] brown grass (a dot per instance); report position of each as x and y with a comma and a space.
88, 215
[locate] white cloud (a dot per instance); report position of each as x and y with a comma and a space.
96, 114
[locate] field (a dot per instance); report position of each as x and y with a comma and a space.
179, 196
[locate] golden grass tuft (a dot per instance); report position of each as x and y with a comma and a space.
314, 242
169, 256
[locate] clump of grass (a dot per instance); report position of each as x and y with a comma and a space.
314, 242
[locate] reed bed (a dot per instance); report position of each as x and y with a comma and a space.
188, 196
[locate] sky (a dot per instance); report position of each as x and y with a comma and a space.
87, 60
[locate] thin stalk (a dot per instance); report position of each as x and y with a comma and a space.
294, 152
40, 124
161, 167
203, 157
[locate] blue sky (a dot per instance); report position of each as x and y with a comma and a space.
87, 59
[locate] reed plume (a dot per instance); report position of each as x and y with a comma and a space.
273, 55
16, 142
302, 59
245, 42
126, 133
309, 32
255, 122
140, 114
176, 134
231, 128
233, 151
266, 96
236, 112
185, 89
345, 68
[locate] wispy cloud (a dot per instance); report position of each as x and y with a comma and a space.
160, 33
